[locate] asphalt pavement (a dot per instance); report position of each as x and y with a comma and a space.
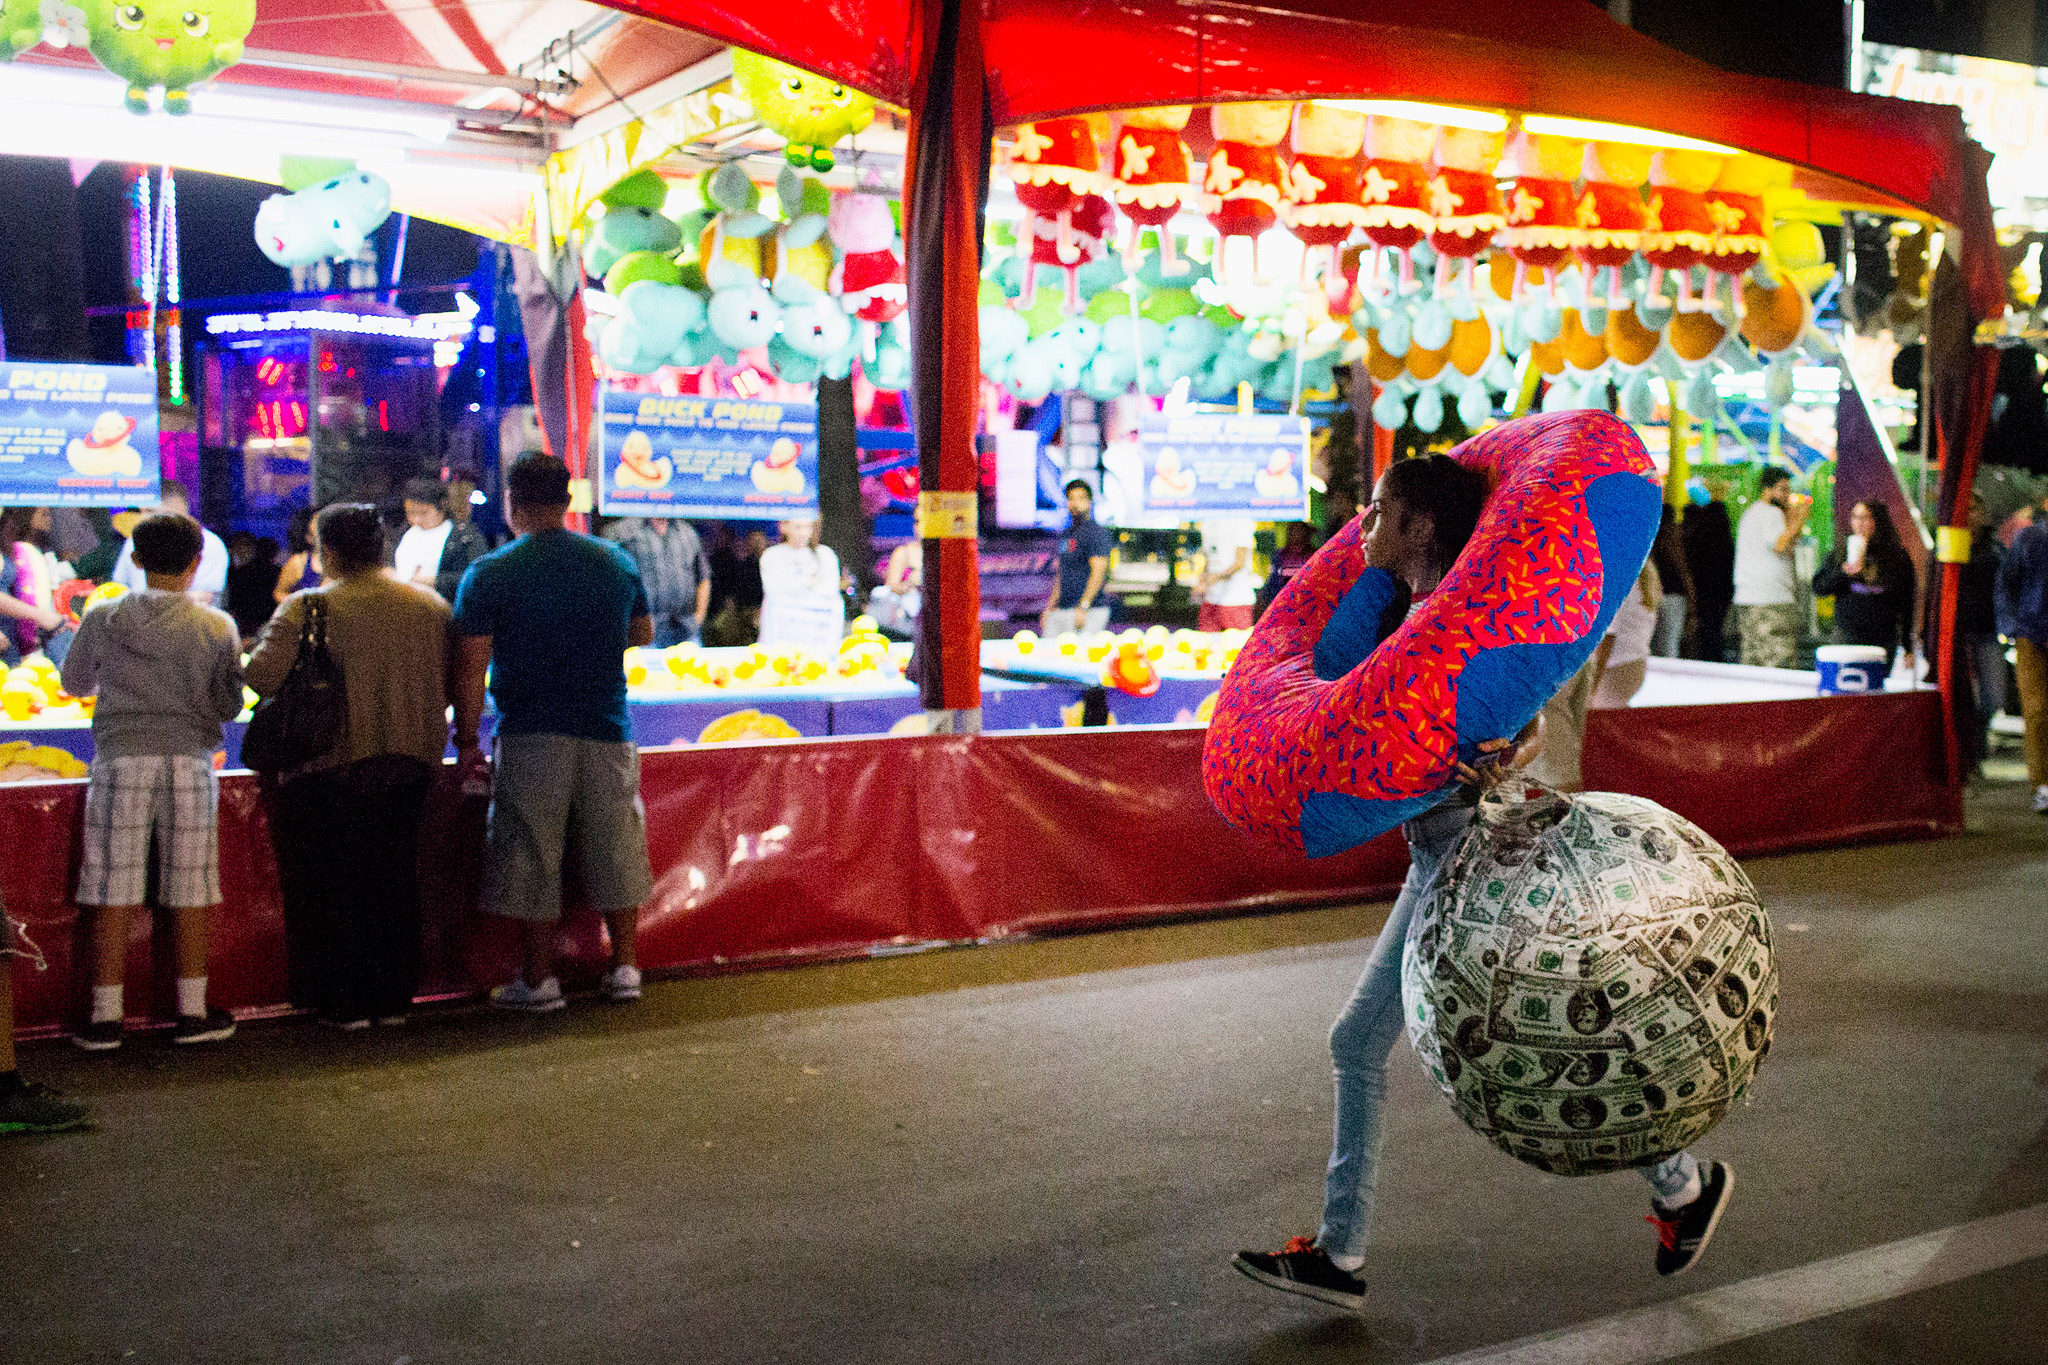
1046, 1151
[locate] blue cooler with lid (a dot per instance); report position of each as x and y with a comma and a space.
1851, 668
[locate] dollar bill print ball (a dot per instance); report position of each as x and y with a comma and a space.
1590, 980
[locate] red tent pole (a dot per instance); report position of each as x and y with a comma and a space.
1952, 537
945, 186
581, 381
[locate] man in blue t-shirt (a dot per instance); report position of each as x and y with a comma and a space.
1084, 563
550, 616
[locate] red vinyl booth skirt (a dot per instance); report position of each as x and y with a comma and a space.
785, 852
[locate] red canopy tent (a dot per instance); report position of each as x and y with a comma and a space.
1019, 60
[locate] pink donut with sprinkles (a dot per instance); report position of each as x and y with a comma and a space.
1325, 737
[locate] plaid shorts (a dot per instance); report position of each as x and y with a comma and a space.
173, 797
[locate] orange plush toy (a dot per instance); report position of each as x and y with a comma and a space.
1610, 215
1245, 177
1323, 188
1054, 164
1542, 210
1465, 206
1396, 187
1737, 206
1680, 230
1149, 170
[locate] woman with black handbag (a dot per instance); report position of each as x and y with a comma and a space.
346, 820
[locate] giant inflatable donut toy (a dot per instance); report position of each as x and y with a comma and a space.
1325, 737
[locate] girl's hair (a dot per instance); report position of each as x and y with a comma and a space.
1886, 542
14, 525
298, 536
1449, 494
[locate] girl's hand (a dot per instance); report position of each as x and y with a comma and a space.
1491, 773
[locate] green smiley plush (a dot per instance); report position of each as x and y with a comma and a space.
171, 43
21, 26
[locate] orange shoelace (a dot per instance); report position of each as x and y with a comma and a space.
1296, 1245
1667, 1230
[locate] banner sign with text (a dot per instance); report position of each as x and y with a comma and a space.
77, 435
715, 458
1216, 464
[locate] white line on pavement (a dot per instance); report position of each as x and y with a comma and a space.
1768, 1303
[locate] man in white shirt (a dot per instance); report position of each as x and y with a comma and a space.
211, 580
1228, 587
1766, 592
418, 558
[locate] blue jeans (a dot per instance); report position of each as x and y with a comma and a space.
1365, 1033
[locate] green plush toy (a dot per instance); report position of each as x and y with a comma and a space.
812, 113
21, 26
171, 43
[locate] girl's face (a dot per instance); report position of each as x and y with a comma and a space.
798, 533
1396, 540
1862, 521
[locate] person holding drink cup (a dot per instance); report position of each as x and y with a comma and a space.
1871, 578
1766, 592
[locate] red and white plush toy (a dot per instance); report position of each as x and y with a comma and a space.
1323, 188
1245, 178
1679, 230
1740, 220
1090, 223
1150, 169
1395, 187
1542, 210
1465, 206
1610, 216
1054, 163
869, 280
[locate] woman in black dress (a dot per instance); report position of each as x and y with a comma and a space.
1871, 578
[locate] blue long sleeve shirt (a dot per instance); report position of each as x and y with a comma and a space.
2023, 586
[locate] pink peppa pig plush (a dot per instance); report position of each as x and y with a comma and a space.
1395, 188
1245, 179
1465, 206
1323, 188
1149, 171
1680, 229
869, 279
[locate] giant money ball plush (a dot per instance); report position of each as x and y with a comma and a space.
1590, 979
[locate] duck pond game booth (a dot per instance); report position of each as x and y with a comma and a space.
848, 839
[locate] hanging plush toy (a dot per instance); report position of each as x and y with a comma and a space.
1089, 225
1054, 163
1609, 217
1323, 188
171, 43
812, 113
732, 245
21, 27
1542, 210
1149, 167
869, 279
1737, 206
1465, 206
1396, 188
329, 221
1679, 230
1245, 178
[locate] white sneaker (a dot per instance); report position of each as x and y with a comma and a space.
622, 983
517, 995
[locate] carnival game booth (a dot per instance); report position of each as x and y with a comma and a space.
774, 850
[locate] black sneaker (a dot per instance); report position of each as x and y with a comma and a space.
1302, 1267
1683, 1235
104, 1036
211, 1027
35, 1108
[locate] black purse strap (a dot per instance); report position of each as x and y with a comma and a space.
312, 633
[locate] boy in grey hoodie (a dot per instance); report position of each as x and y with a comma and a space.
168, 674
